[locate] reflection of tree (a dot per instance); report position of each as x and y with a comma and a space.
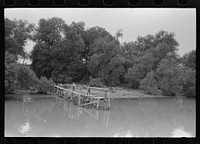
25, 129
33, 112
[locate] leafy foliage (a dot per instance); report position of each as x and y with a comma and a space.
96, 82
149, 84
10, 72
16, 35
189, 82
189, 59
26, 77
45, 85
169, 77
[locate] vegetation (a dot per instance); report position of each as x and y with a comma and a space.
70, 53
45, 85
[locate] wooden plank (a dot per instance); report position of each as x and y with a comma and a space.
98, 88
89, 103
75, 93
79, 100
88, 95
98, 98
62, 88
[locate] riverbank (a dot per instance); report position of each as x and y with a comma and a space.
19, 94
118, 93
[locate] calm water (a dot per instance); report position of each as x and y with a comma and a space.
50, 117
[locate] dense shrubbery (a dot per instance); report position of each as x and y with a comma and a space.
189, 82
149, 84
18, 76
10, 73
45, 85
96, 82
26, 77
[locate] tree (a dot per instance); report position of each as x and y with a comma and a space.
149, 83
106, 62
189, 59
10, 72
16, 35
169, 77
48, 35
119, 34
26, 77
58, 53
189, 82
135, 74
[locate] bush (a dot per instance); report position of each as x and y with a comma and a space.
149, 84
96, 82
45, 85
169, 77
26, 77
189, 82
61, 78
10, 73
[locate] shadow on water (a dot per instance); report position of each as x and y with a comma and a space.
55, 117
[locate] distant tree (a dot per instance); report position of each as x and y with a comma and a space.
135, 74
189, 59
48, 35
26, 77
10, 72
169, 77
119, 34
106, 61
45, 85
150, 84
189, 82
17, 32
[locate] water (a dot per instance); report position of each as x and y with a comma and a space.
50, 117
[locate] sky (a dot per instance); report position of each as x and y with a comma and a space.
134, 22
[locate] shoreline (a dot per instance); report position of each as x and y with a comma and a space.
132, 94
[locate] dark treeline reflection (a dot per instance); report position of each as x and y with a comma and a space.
128, 118
66, 53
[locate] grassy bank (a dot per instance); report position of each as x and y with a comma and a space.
118, 93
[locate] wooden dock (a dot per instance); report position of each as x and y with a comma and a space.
87, 99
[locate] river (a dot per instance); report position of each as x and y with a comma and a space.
138, 117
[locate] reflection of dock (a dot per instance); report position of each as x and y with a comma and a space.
85, 100
78, 112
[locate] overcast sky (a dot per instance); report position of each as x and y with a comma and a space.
133, 22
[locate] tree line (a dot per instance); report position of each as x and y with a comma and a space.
71, 53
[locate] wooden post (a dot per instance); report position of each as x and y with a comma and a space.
79, 100
73, 87
108, 99
97, 103
71, 96
88, 91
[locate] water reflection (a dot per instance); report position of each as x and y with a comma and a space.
180, 132
25, 129
76, 112
127, 118
129, 133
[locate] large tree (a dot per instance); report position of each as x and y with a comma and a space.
189, 59
58, 52
17, 32
146, 53
48, 36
